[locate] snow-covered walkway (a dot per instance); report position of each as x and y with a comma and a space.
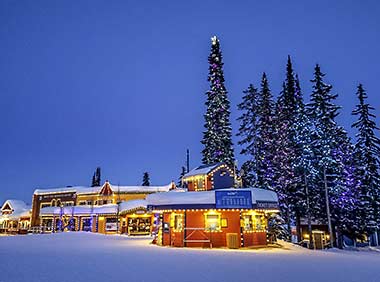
79, 257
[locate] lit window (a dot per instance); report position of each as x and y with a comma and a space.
213, 222
259, 223
178, 222
247, 223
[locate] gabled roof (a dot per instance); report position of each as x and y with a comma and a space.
15, 205
20, 209
202, 169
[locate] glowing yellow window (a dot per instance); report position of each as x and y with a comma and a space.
213, 222
259, 223
247, 223
178, 222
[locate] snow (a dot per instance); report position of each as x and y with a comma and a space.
115, 188
207, 197
201, 170
20, 209
83, 257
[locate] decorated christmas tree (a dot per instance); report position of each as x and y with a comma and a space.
217, 140
367, 156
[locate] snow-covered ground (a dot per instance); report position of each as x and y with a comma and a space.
79, 257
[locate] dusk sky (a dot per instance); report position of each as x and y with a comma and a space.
121, 84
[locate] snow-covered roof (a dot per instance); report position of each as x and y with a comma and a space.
124, 207
16, 205
115, 188
203, 169
19, 209
207, 197
133, 205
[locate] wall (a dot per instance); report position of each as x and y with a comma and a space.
196, 219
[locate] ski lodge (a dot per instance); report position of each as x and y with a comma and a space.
209, 212
95, 209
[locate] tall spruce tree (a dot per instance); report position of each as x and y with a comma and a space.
217, 141
323, 112
265, 136
367, 156
96, 178
248, 132
146, 179
303, 165
284, 154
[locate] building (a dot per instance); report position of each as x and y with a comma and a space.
228, 217
209, 177
15, 217
104, 209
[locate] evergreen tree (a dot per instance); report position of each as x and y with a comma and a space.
217, 139
183, 172
248, 132
323, 112
265, 136
284, 154
367, 156
96, 178
303, 165
146, 179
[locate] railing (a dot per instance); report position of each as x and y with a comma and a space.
196, 231
40, 229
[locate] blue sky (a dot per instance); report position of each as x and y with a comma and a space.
121, 84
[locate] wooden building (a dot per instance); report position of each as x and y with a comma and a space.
104, 209
231, 217
15, 217
209, 177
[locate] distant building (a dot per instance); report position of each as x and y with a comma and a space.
15, 217
104, 209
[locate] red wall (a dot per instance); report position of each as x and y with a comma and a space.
195, 219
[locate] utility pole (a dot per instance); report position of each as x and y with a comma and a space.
328, 207
187, 160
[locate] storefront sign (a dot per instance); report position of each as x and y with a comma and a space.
233, 199
266, 205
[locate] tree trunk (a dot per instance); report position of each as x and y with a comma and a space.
309, 228
298, 226
328, 208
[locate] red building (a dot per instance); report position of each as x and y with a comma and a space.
209, 177
217, 217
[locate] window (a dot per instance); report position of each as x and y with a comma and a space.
82, 203
259, 223
200, 184
45, 205
178, 222
89, 203
247, 223
212, 222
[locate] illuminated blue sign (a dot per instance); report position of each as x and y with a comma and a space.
233, 199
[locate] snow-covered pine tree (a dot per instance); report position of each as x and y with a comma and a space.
284, 154
248, 133
217, 138
323, 112
367, 156
343, 197
146, 179
303, 165
265, 143
96, 178
183, 172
